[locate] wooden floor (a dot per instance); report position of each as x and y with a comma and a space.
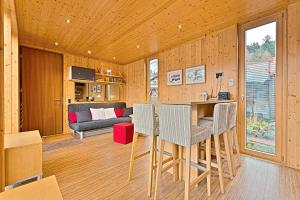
97, 168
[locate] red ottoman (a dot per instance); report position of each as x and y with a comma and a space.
123, 133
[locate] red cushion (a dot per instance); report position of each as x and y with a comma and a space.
119, 112
72, 117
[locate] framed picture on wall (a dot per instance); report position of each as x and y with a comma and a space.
174, 77
99, 89
195, 75
94, 89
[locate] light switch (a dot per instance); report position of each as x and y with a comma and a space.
231, 82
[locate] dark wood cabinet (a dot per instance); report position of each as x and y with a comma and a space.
82, 74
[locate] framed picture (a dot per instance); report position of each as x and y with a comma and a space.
175, 77
99, 88
108, 71
195, 75
94, 89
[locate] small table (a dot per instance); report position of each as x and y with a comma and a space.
45, 189
23, 157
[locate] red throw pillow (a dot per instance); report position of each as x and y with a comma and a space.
119, 112
72, 117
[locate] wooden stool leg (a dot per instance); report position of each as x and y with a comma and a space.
198, 156
202, 153
155, 149
175, 157
187, 173
180, 163
236, 145
133, 146
217, 147
228, 154
159, 168
208, 164
231, 144
151, 163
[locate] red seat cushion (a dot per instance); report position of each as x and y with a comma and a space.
119, 112
72, 117
123, 133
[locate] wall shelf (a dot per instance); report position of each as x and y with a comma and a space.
109, 82
109, 75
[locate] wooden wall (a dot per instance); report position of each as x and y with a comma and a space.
68, 86
293, 107
9, 92
136, 82
1, 102
217, 51
11, 69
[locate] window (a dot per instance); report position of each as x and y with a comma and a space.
260, 76
153, 79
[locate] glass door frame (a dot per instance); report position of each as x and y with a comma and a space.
279, 86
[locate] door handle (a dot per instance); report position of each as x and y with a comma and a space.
58, 101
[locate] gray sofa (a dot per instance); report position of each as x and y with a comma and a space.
96, 125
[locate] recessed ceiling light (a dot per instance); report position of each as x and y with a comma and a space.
68, 21
179, 26
137, 46
89, 52
56, 43
114, 58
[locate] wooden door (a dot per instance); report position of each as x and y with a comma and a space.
41, 88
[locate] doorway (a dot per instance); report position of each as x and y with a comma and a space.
261, 85
41, 91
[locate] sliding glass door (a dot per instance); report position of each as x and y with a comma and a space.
261, 87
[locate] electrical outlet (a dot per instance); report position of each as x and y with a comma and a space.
219, 74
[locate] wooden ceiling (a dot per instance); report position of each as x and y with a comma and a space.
114, 28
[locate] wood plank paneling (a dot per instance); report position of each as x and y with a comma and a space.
7, 68
15, 90
114, 28
11, 69
42, 91
217, 51
2, 174
9, 104
293, 108
69, 86
136, 82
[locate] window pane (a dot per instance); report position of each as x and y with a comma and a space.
260, 88
153, 79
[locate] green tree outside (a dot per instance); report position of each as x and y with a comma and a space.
264, 52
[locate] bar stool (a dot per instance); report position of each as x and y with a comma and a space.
146, 123
231, 126
175, 125
219, 127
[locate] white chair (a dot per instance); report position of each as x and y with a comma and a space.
175, 125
